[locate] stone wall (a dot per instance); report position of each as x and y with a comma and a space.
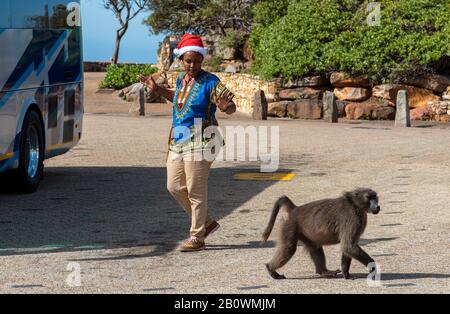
244, 87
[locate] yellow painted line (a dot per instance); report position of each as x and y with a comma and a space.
258, 176
6, 156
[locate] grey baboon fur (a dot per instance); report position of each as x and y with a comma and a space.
324, 222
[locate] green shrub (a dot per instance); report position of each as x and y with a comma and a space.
121, 76
232, 39
213, 63
319, 37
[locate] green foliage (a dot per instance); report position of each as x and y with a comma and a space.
213, 63
199, 16
233, 39
121, 76
319, 37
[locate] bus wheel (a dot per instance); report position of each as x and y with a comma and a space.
31, 156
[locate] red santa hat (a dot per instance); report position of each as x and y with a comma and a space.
190, 43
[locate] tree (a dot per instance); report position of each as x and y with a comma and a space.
200, 16
124, 11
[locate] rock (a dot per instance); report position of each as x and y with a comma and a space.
418, 97
434, 82
305, 109
340, 79
383, 113
230, 69
305, 82
446, 94
402, 118
302, 93
352, 93
131, 93
260, 106
330, 110
277, 109
369, 110
176, 66
440, 107
421, 114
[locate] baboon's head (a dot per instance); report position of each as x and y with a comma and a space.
364, 199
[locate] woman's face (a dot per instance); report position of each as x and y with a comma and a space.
192, 62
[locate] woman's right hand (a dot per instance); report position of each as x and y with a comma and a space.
149, 82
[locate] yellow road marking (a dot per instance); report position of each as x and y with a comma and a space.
6, 156
258, 176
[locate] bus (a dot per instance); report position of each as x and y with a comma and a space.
41, 86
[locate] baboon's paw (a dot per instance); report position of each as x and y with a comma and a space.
274, 274
277, 276
330, 273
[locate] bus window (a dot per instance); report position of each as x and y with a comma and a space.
29, 14
4, 14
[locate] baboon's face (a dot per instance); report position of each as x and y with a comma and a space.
371, 199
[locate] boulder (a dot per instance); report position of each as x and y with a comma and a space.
369, 110
302, 93
305, 109
440, 107
305, 82
441, 118
277, 109
230, 69
352, 93
418, 97
176, 66
436, 83
340, 79
421, 114
446, 94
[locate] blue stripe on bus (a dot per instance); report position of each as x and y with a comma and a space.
16, 86
59, 42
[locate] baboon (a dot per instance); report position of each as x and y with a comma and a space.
323, 222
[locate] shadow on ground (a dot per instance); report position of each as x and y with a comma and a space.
385, 277
108, 208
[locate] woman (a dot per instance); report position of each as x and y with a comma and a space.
196, 96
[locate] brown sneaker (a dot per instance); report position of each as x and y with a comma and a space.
211, 228
191, 245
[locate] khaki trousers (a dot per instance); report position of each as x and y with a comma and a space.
187, 181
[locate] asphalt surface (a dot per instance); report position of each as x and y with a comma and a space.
103, 207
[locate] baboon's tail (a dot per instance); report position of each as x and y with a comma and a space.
284, 202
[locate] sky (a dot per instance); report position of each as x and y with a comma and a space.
99, 29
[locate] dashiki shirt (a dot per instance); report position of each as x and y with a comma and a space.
193, 100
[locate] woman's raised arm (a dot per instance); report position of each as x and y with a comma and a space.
155, 88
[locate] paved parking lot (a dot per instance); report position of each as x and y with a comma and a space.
103, 210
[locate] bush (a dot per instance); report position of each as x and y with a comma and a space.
121, 76
213, 63
319, 37
232, 39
